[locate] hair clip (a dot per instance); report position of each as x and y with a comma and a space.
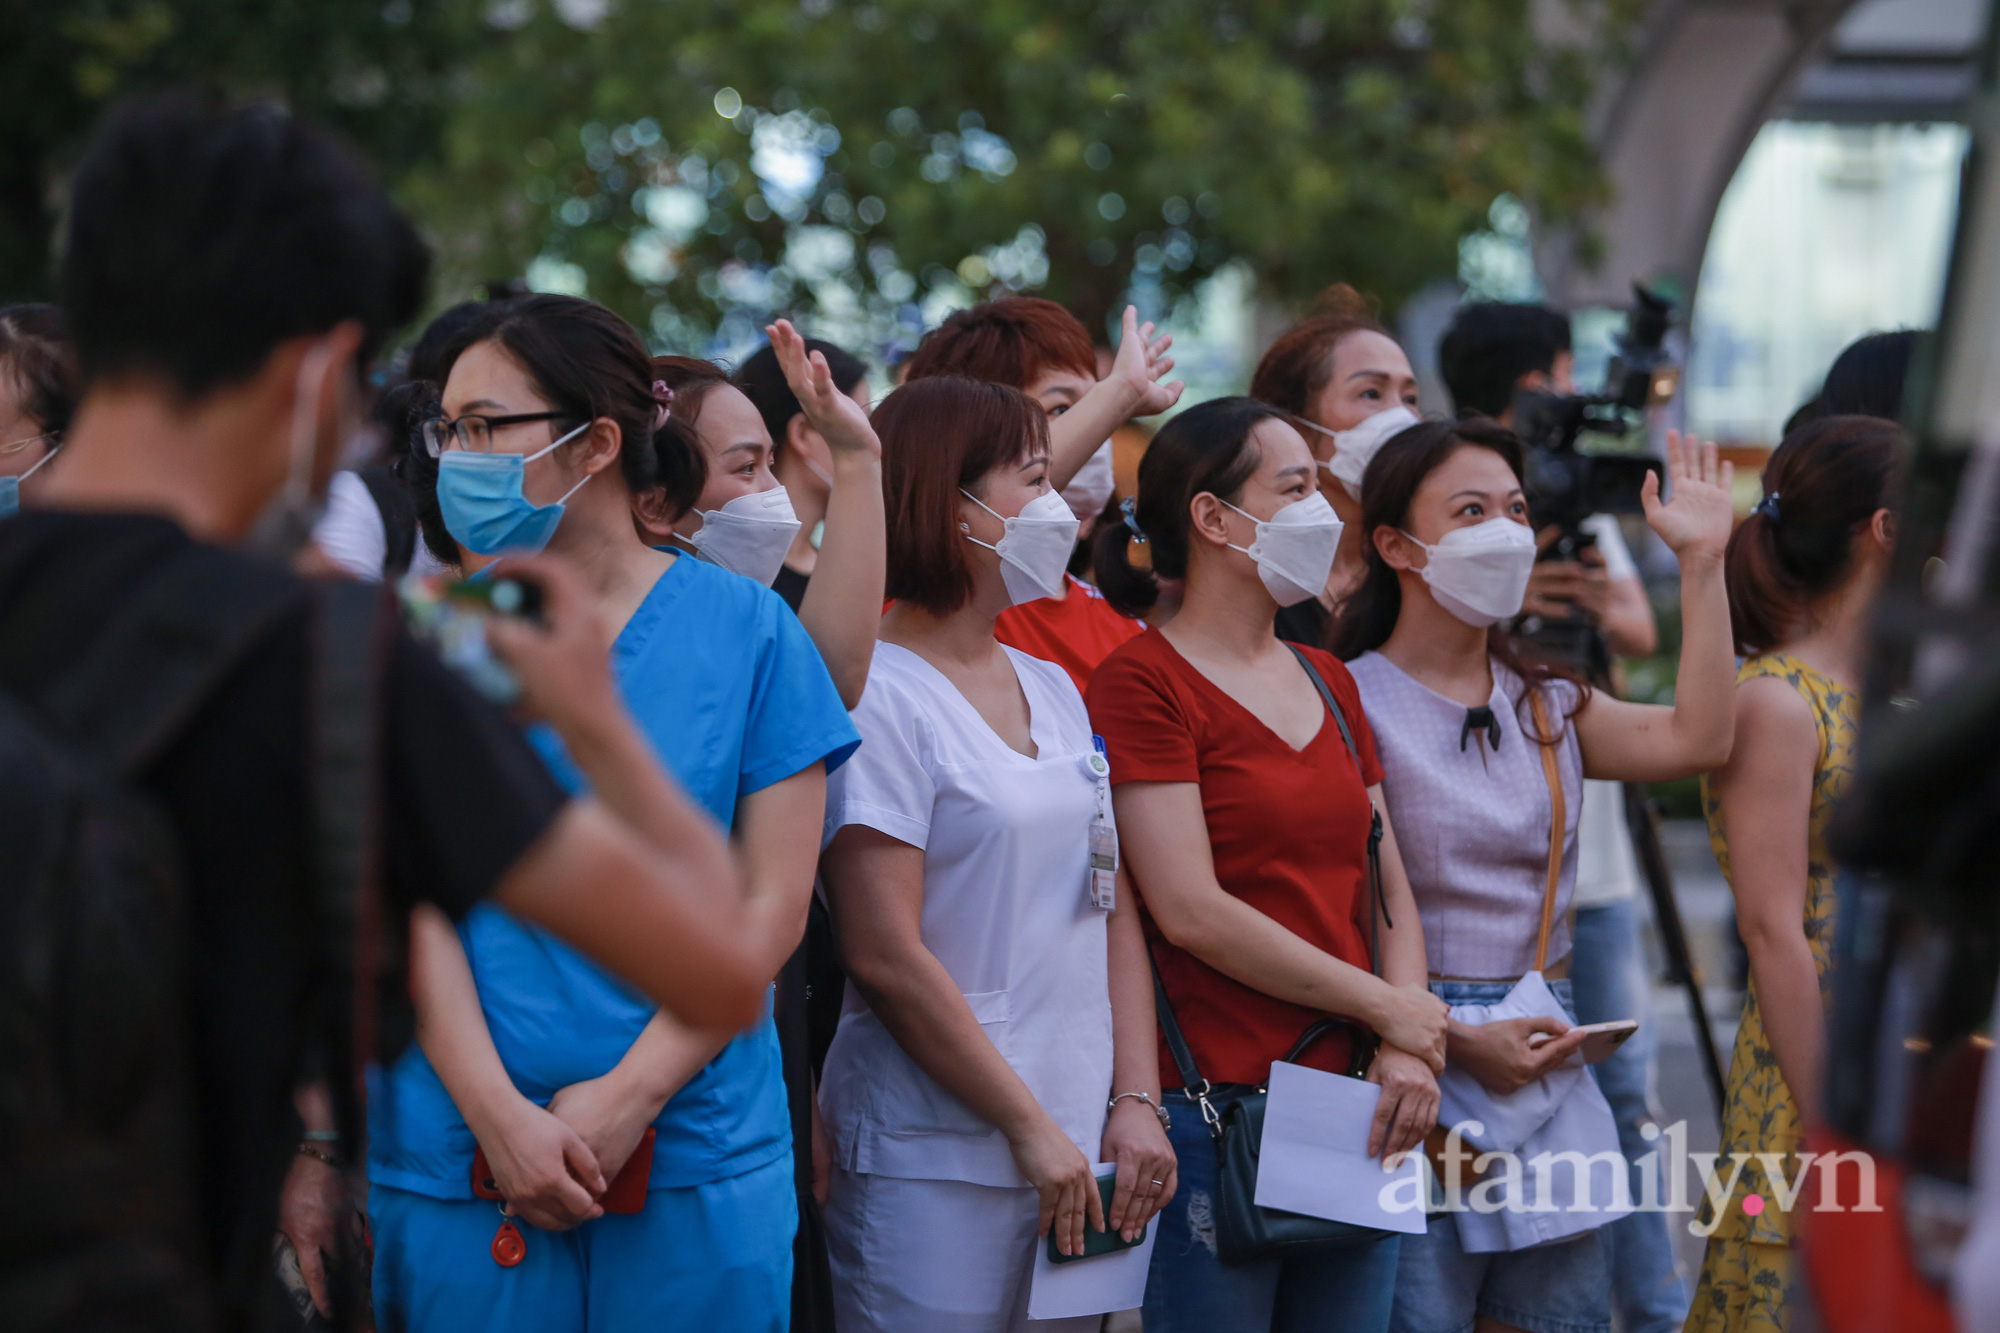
663, 394
1768, 507
1127, 507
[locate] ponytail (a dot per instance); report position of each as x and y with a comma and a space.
1826, 480
681, 465
1204, 450
1131, 589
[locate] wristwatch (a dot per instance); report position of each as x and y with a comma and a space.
1158, 1110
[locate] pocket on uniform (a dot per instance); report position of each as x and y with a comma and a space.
990, 1007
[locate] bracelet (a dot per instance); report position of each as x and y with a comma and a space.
322, 1136
319, 1155
1158, 1110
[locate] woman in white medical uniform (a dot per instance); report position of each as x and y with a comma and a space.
997, 1038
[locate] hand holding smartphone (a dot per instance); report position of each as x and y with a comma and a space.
1599, 1041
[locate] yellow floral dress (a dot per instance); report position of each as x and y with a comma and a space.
1747, 1269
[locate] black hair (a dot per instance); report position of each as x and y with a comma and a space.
762, 381
588, 363
1368, 617
1867, 378
200, 238
36, 353
1206, 449
1491, 345
403, 408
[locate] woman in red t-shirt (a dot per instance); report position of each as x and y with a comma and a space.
1244, 821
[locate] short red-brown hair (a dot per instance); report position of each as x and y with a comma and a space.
1012, 341
940, 436
1298, 365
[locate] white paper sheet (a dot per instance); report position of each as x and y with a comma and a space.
1098, 1285
1314, 1156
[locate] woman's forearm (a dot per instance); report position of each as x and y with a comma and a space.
451, 1026
1082, 430
1704, 720
666, 1055
1135, 1050
842, 608
921, 1006
1243, 944
1788, 999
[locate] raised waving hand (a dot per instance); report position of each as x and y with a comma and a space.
840, 420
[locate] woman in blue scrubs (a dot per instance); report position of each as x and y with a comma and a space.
550, 1066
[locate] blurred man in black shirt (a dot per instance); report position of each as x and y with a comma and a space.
229, 274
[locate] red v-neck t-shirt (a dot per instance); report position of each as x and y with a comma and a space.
1288, 830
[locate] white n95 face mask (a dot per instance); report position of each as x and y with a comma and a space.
750, 535
1295, 547
1354, 450
1090, 489
1480, 573
1035, 549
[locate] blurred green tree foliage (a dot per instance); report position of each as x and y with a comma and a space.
699, 164
703, 162
379, 72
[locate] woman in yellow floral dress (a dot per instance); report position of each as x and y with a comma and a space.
1802, 571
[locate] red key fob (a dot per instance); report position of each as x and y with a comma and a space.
508, 1247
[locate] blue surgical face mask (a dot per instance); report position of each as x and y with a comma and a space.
10, 487
480, 495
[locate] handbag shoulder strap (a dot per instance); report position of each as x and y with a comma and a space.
1546, 740
1170, 1028
1380, 909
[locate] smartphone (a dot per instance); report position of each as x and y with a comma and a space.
1600, 1039
1097, 1242
502, 596
451, 618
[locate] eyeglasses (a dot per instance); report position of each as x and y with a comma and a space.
473, 432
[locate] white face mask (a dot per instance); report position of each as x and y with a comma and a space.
1294, 548
1035, 549
1480, 573
750, 535
1090, 489
1354, 450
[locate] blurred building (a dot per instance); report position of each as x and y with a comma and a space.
1791, 166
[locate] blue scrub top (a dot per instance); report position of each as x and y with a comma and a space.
734, 697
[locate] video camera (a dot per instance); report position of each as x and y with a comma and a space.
1566, 485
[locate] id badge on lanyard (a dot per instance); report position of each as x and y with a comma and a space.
1103, 835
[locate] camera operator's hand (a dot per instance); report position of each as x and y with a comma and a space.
1695, 522
1559, 588
564, 662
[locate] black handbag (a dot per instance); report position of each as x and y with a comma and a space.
1234, 1114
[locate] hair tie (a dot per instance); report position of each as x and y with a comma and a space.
1768, 507
1127, 506
663, 394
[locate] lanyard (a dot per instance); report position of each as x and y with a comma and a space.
1103, 834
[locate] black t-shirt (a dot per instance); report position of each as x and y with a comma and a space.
791, 585
462, 796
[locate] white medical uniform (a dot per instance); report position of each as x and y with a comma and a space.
929, 1224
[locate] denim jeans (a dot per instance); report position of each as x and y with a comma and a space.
1190, 1289
1608, 981
1560, 1287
